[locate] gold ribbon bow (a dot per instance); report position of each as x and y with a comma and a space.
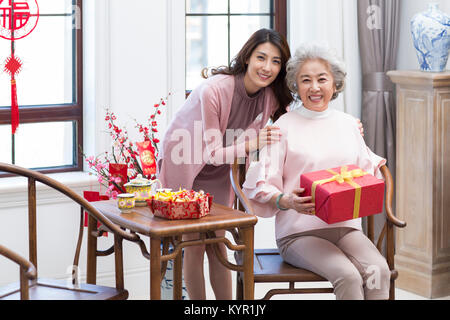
344, 176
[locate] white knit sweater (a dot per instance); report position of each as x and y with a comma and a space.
311, 141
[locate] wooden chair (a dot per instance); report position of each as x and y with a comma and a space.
269, 265
30, 285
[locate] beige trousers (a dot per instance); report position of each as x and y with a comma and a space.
344, 256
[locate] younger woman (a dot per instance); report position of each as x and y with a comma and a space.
200, 143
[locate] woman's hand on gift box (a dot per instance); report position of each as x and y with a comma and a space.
295, 201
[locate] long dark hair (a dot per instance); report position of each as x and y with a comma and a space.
239, 66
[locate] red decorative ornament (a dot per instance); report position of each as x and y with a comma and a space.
118, 170
93, 196
17, 20
20, 24
147, 156
13, 65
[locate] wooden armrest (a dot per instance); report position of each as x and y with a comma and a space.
237, 177
72, 195
389, 196
24, 263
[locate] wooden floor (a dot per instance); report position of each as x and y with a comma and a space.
261, 289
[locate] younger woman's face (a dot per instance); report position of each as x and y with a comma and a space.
264, 65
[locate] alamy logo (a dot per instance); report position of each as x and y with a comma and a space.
374, 21
74, 276
373, 280
204, 146
76, 17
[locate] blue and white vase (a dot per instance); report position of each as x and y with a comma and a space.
431, 36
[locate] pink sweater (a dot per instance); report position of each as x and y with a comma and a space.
311, 141
195, 135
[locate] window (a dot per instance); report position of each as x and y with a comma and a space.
217, 29
49, 90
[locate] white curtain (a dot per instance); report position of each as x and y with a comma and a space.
334, 23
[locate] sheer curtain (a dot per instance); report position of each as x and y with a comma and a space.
334, 23
378, 26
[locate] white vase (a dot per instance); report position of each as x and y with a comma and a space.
431, 37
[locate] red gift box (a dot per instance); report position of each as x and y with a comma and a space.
177, 210
93, 196
343, 193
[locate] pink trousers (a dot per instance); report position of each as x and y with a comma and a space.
344, 256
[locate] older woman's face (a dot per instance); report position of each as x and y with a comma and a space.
315, 84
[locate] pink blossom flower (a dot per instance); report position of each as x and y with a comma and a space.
123, 150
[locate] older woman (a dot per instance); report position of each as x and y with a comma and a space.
316, 137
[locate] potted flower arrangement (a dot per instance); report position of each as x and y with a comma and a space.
127, 159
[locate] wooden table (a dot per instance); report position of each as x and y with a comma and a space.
142, 222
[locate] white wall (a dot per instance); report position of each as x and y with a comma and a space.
134, 57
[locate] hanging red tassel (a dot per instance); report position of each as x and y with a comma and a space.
14, 107
13, 66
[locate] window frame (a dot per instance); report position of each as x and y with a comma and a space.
280, 16
60, 112
279, 21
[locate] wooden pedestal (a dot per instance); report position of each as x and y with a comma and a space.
423, 181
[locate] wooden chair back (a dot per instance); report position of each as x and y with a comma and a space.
29, 266
270, 267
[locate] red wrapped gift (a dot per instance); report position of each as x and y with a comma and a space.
93, 196
176, 210
343, 193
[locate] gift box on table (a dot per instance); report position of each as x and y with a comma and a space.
93, 196
176, 210
343, 193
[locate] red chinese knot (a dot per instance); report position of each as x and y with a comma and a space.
13, 65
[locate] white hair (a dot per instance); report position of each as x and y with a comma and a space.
314, 51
